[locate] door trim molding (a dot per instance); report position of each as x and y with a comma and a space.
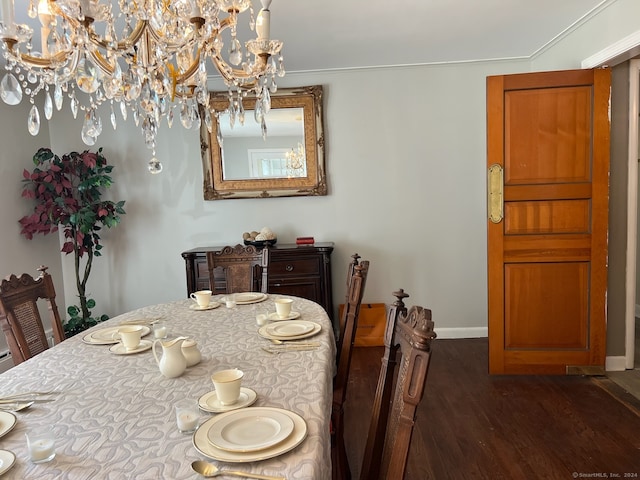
616, 53
632, 214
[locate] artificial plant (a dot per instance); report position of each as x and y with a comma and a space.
68, 192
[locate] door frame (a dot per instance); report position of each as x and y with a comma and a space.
632, 214
612, 55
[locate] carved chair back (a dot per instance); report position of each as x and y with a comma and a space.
356, 281
403, 375
244, 269
20, 317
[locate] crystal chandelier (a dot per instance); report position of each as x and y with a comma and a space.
148, 56
296, 161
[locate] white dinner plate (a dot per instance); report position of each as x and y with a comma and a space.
246, 298
249, 430
202, 444
290, 328
209, 401
275, 318
105, 336
197, 307
119, 349
7, 460
7, 422
262, 331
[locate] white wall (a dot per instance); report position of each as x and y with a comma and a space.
18, 255
406, 161
406, 176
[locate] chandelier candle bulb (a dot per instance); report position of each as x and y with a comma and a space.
7, 15
263, 21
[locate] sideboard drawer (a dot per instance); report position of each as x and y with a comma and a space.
303, 266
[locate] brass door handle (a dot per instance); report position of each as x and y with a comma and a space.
495, 197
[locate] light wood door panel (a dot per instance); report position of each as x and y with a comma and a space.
547, 258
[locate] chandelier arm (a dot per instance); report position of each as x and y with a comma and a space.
102, 62
36, 61
126, 43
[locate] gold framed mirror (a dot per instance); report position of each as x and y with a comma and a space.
238, 163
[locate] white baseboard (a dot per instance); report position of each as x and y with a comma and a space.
615, 364
463, 332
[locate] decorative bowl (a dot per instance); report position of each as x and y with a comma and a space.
261, 243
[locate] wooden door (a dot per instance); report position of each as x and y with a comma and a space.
548, 169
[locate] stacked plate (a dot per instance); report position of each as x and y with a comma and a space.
250, 434
246, 298
290, 330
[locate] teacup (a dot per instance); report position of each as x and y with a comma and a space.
283, 307
227, 384
203, 297
130, 336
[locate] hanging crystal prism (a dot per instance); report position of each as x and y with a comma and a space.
87, 76
170, 118
74, 105
235, 52
155, 166
258, 114
48, 106
57, 96
114, 124
266, 100
123, 110
88, 139
136, 117
185, 117
263, 128
33, 121
10, 90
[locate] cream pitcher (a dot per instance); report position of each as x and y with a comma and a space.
172, 364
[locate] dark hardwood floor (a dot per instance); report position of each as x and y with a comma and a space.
475, 426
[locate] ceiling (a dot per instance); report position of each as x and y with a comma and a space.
339, 34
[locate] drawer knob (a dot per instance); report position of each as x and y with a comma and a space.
289, 268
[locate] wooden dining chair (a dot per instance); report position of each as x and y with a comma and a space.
356, 281
244, 269
401, 384
20, 317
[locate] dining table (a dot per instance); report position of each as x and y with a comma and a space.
112, 411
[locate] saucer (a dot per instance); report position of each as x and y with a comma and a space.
197, 307
7, 460
7, 422
292, 316
106, 336
119, 349
209, 401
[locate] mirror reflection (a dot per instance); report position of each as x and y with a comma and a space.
246, 155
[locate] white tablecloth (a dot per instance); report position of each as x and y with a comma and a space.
113, 415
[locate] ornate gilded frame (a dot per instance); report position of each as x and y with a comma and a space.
217, 188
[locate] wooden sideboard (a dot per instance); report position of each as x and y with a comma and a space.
300, 270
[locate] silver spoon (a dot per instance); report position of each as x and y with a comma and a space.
207, 469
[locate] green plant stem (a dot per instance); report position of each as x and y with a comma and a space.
81, 284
